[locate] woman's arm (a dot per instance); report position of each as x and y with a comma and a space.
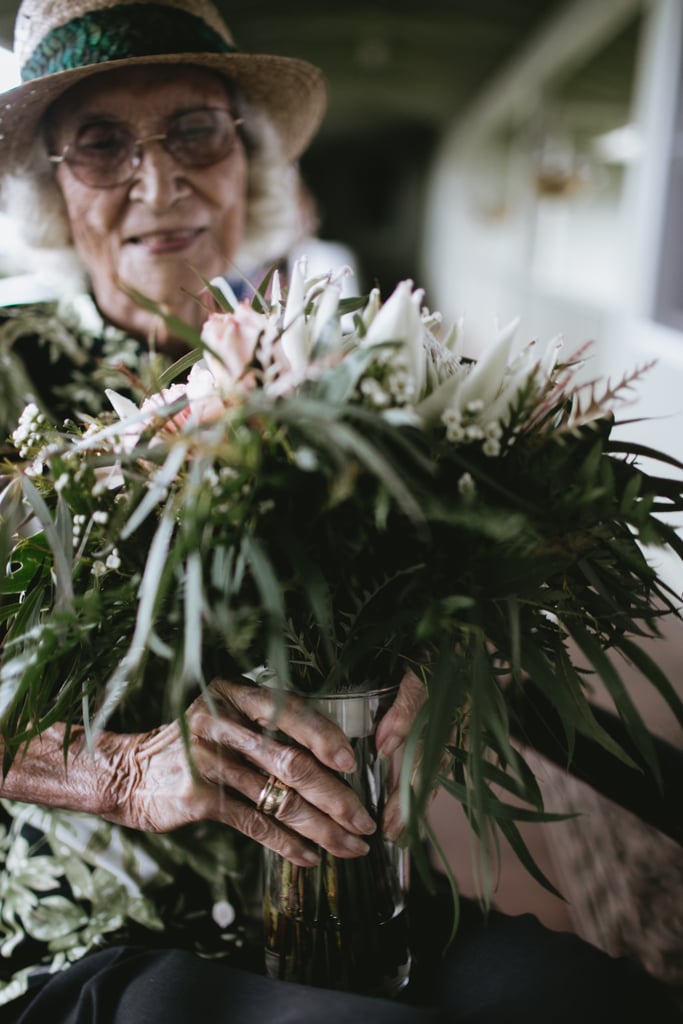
40, 773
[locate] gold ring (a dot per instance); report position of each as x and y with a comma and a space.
272, 796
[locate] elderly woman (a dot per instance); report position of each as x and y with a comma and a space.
142, 139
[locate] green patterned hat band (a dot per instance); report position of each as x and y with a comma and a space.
117, 33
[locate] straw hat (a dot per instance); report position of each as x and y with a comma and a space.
60, 42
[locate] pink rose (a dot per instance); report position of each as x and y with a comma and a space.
159, 401
232, 340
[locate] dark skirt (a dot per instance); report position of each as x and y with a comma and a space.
500, 970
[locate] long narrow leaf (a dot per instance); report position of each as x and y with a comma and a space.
62, 556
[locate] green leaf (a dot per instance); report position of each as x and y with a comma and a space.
192, 626
260, 304
270, 592
452, 881
179, 367
561, 685
634, 448
151, 594
63, 564
619, 694
653, 673
163, 479
521, 850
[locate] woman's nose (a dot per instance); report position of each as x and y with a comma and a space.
158, 180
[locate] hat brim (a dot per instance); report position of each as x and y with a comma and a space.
291, 91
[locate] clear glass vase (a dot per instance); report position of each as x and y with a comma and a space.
343, 924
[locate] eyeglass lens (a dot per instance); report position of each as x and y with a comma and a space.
106, 153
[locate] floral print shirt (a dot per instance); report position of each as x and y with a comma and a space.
71, 883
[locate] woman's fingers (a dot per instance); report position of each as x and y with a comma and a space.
297, 818
395, 726
292, 715
232, 779
319, 805
317, 742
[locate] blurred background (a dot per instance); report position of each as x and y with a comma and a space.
518, 158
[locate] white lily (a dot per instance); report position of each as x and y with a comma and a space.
372, 308
123, 407
326, 325
275, 291
296, 338
530, 367
485, 379
400, 319
479, 386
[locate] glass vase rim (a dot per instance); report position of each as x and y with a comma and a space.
378, 691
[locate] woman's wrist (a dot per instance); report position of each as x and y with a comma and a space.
80, 779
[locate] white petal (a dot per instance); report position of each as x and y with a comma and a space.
372, 307
123, 407
296, 342
486, 377
392, 320
326, 311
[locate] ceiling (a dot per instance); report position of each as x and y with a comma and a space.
419, 60
392, 60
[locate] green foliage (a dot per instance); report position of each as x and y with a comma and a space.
332, 545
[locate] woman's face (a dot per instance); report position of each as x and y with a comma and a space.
169, 223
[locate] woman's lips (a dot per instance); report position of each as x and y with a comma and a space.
162, 242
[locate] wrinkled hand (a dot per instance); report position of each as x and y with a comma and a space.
392, 733
156, 790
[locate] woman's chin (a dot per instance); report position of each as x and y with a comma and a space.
174, 283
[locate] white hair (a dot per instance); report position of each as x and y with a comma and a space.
35, 206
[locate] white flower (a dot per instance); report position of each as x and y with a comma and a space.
374, 392
27, 431
480, 384
493, 430
306, 459
113, 560
108, 478
123, 407
296, 340
491, 447
466, 485
529, 372
485, 380
134, 423
401, 386
400, 320
326, 324
206, 405
372, 307
289, 361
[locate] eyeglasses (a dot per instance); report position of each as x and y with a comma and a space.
105, 154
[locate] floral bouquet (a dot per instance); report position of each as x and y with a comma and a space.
329, 505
